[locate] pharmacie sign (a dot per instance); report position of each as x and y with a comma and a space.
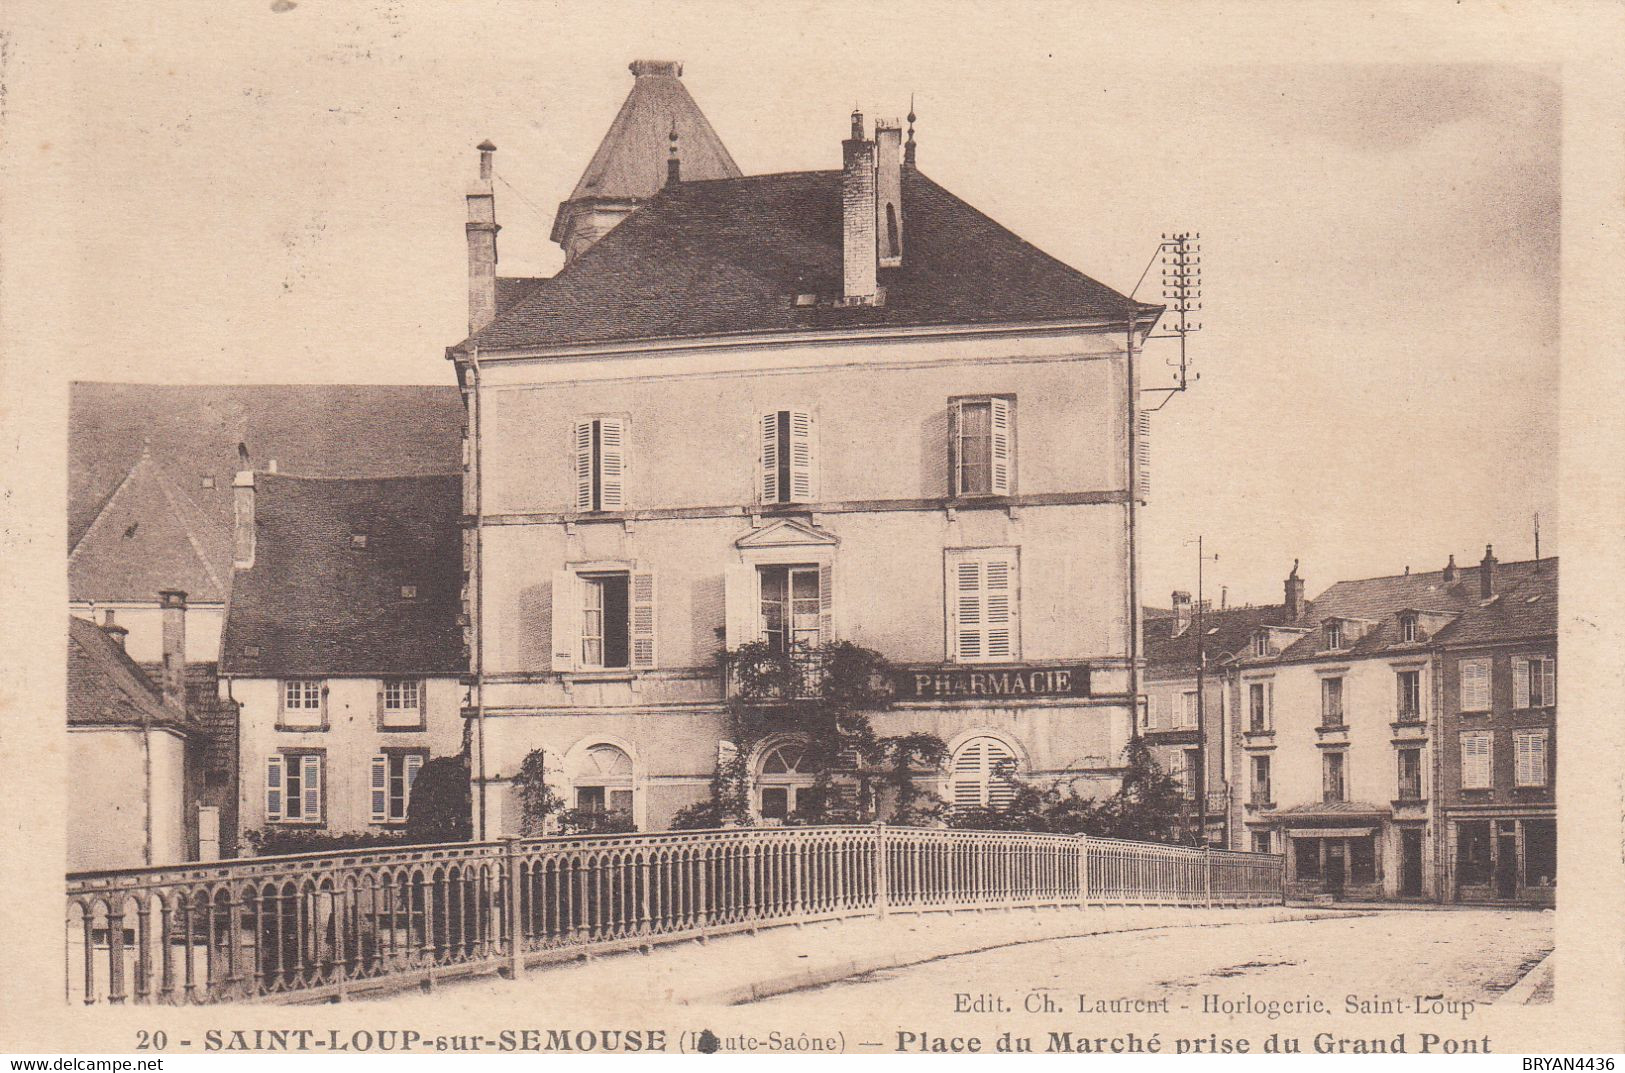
980, 683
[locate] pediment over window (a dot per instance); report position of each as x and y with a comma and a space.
787, 533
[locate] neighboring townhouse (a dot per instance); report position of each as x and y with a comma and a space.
779, 409
1497, 794
131, 749
1337, 749
1176, 645
342, 647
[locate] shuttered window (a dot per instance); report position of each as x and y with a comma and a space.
604, 620
391, 786
293, 788
1477, 760
984, 620
1475, 685
979, 774
981, 446
789, 456
1534, 682
1529, 752
599, 448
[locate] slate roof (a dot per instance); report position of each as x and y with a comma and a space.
313, 604
107, 688
1379, 600
729, 256
1227, 631
190, 432
149, 536
631, 160
1524, 611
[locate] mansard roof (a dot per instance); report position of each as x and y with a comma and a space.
734, 256
319, 602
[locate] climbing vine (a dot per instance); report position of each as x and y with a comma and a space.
823, 696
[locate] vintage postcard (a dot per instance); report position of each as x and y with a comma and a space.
812, 528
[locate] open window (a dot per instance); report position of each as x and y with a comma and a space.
981, 445
789, 456
603, 619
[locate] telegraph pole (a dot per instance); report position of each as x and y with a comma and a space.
1201, 694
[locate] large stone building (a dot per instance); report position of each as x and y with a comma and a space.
794, 408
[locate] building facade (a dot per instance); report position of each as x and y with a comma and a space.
132, 749
1498, 747
342, 648
777, 409
1339, 730
1176, 645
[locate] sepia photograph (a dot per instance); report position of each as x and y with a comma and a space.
822, 528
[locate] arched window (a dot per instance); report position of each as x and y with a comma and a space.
781, 777
979, 774
603, 781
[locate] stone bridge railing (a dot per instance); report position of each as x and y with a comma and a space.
313, 927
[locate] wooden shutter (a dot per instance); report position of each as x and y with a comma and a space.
612, 463
770, 456
312, 787
643, 619
1520, 682
1000, 607
978, 777
414, 764
380, 789
1477, 760
1475, 685
1003, 453
965, 608
803, 457
1548, 681
826, 602
741, 609
566, 620
273, 787
1152, 703
1529, 758
956, 482
1143, 455
581, 447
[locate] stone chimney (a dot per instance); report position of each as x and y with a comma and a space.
1294, 594
173, 677
242, 489
1450, 569
889, 192
1182, 612
482, 228
117, 633
858, 254
1486, 573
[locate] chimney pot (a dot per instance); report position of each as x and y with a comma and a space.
173, 677
1486, 573
889, 193
116, 633
1450, 569
1182, 612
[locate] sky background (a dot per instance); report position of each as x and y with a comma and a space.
275, 197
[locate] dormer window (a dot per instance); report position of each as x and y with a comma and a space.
1334, 635
1261, 643
1409, 632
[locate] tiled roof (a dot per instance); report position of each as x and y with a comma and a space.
1379, 600
1226, 631
192, 432
730, 256
631, 160
149, 536
1522, 611
313, 603
106, 687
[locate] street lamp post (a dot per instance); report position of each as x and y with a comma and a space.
1201, 694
